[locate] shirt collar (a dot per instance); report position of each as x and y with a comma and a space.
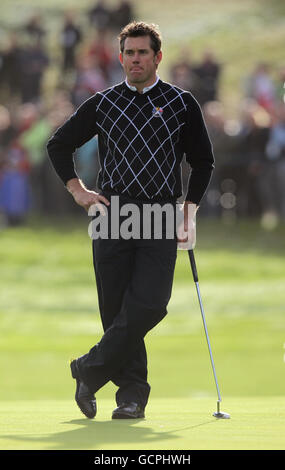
133, 88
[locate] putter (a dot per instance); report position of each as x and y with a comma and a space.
218, 414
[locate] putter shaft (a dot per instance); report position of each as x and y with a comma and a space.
208, 342
218, 414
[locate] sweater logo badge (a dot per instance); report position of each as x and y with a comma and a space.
157, 112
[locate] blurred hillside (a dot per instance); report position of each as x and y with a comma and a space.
240, 33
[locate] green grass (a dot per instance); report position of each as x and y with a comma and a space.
187, 424
49, 313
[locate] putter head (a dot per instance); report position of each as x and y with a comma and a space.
221, 415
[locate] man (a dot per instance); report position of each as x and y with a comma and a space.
144, 128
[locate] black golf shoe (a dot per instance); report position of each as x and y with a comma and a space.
83, 396
130, 410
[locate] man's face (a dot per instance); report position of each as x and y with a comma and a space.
139, 61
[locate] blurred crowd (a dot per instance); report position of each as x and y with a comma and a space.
249, 147
249, 180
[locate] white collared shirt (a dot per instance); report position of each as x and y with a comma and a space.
133, 88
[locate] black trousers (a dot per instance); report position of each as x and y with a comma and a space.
134, 281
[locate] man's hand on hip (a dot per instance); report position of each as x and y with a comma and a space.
84, 197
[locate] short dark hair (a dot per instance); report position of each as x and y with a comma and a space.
136, 29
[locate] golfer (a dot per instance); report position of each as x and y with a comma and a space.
144, 126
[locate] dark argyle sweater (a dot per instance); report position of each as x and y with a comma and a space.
142, 139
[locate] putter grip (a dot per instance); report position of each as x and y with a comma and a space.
193, 265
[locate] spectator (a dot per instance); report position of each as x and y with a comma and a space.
254, 134
275, 153
33, 141
224, 144
280, 86
7, 129
70, 39
259, 86
9, 71
14, 184
182, 72
25, 116
115, 73
55, 195
182, 77
33, 63
100, 16
89, 80
208, 74
100, 50
122, 15
34, 28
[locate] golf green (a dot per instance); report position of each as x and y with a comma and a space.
255, 423
49, 314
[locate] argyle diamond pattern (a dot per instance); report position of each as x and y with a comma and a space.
139, 145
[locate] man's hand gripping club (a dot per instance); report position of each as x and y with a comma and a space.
186, 226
